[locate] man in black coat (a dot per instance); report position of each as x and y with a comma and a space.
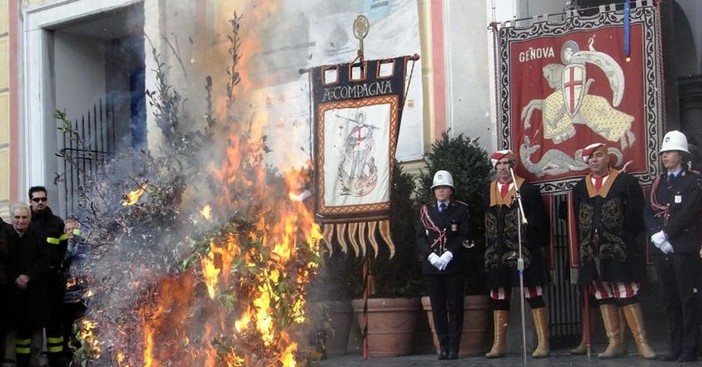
51, 228
673, 220
502, 248
27, 266
4, 296
608, 206
442, 242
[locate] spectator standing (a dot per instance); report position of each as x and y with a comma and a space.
27, 266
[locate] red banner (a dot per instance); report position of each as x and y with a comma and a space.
566, 85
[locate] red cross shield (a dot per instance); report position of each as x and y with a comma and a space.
573, 87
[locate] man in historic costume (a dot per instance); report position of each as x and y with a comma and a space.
442, 242
502, 251
609, 218
672, 220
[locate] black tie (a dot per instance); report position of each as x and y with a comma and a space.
442, 207
671, 177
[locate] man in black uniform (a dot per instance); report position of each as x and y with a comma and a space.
51, 228
673, 220
608, 206
502, 251
442, 240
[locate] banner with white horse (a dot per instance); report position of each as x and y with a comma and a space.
568, 81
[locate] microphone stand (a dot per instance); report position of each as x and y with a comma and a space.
520, 261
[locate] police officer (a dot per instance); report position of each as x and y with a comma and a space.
672, 220
442, 240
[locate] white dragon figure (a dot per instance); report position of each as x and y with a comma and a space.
555, 162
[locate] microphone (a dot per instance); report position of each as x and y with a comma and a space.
519, 196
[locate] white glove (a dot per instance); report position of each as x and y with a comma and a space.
435, 260
658, 238
445, 259
666, 247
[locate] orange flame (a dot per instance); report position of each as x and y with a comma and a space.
132, 197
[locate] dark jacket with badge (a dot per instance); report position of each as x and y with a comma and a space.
439, 232
609, 223
502, 236
674, 207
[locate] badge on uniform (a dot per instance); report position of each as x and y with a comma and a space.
678, 199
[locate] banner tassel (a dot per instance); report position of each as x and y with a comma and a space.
385, 234
353, 235
370, 235
328, 235
341, 237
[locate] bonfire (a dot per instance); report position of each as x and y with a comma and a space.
199, 253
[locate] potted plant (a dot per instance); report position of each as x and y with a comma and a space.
470, 167
396, 282
330, 301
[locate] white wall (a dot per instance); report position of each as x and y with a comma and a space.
468, 91
693, 10
79, 67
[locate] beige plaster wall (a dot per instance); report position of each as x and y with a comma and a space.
4, 109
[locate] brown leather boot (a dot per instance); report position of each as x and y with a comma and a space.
634, 317
499, 344
622, 328
582, 347
610, 318
541, 325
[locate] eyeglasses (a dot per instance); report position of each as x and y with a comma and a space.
36, 200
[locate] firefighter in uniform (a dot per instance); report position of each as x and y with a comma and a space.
608, 208
51, 227
502, 251
442, 243
672, 220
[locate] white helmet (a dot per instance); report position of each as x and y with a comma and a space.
442, 178
674, 140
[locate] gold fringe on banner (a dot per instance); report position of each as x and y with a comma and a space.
361, 237
353, 235
341, 237
385, 234
328, 235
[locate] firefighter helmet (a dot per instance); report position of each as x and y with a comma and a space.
442, 178
674, 140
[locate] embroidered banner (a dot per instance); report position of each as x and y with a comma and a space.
357, 110
580, 80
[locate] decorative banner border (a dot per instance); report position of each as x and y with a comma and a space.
357, 109
564, 85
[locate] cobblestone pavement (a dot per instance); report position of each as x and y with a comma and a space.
558, 358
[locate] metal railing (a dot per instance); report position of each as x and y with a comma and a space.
86, 147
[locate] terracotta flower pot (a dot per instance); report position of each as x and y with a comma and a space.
476, 319
340, 320
391, 323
